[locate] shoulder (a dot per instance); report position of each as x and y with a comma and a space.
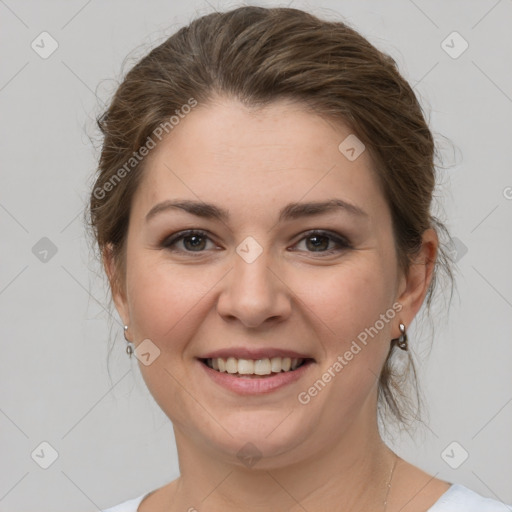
130, 505
417, 490
461, 499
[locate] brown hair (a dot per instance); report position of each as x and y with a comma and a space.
259, 55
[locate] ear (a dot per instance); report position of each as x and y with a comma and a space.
116, 286
414, 286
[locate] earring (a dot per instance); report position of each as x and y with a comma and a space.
402, 340
129, 344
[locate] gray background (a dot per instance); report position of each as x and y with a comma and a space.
112, 440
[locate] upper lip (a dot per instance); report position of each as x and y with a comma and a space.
254, 353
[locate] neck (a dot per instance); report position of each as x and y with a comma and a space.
350, 473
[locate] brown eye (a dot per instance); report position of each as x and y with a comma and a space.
325, 242
193, 241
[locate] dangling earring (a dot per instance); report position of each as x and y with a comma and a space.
129, 344
402, 340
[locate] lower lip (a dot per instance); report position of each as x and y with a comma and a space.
255, 385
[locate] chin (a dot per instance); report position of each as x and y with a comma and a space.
260, 439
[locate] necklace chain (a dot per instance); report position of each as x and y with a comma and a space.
387, 492
389, 483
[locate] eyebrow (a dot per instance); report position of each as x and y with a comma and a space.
289, 212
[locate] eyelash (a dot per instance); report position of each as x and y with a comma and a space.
342, 242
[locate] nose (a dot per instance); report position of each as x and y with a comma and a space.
254, 293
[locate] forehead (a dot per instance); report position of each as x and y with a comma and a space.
256, 160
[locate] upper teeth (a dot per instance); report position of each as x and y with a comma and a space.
254, 366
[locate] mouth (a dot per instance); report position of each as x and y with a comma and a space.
255, 368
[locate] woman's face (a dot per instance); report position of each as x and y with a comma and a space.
255, 285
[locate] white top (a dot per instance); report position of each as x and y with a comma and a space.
456, 499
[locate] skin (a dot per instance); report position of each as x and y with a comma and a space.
314, 456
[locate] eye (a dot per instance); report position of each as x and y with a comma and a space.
319, 241
193, 241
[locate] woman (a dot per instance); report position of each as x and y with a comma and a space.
263, 213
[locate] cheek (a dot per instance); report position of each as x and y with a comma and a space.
166, 306
165, 298
347, 298
345, 304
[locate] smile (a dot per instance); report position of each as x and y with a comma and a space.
254, 367
244, 376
